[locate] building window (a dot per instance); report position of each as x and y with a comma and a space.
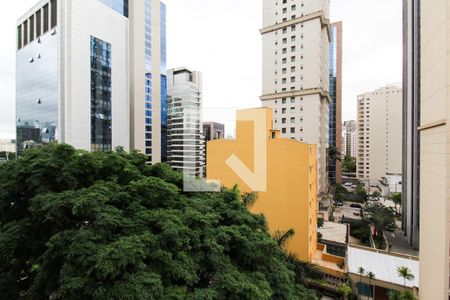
38, 24
284, 60
292, 109
293, 38
292, 69
284, 70
284, 30
292, 129
284, 40
54, 13
31, 28
284, 50
25, 33
283, 130
293, 49
45, 9
293, 7
292, 99
292, 120
283, 81
283, 121
284, 10
283, 101
19, 37
292, 58
101, 98
283, 110
292, 79
293, 28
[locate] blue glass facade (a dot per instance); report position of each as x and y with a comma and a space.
101, 95
37, 92
332, 107
163, 83
120, 6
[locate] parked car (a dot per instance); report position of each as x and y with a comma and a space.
348, 184
338, 203
355, 205
354, 186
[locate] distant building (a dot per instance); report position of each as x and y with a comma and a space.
185, 141
349, 139
92, 74
213, 131
296, 40
290, 197
335, 117
390, 184
379, 128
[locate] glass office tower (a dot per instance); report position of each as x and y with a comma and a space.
89, 83
335, 107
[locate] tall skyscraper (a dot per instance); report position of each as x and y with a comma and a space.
90, 73
434, 149
379, 134
335, 117
296, 41
185, 141
411, 121
349, 139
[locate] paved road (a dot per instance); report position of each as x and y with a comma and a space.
400, 243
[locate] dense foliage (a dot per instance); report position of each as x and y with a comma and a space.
361, 230
78, 225
349, 164
381, 217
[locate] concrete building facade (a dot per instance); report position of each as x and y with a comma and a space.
290, 198
379, 129
213, 131
296, 41
335, 107
185, 141
90, 73
411, 122
434, 149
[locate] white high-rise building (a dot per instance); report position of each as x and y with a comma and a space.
349, 139
185, 141
91, 73
379, 128
296, 38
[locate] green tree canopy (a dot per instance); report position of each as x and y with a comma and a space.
380, 216
78, 225
349, 164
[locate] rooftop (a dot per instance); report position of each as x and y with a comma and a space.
334, 232
383, 264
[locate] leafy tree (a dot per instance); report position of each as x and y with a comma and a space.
360, 190
405, 295
346, 290
361, 230
397, 199
78, 225
334, 154
380, 216
406, 274
376, 194
349, 164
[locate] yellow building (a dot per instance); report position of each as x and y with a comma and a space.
289, 199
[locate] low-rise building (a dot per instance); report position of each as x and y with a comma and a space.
7, 145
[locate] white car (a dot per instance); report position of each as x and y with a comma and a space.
348, 184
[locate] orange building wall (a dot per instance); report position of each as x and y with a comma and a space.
290, 200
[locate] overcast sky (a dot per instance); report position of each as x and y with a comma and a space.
221, 39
